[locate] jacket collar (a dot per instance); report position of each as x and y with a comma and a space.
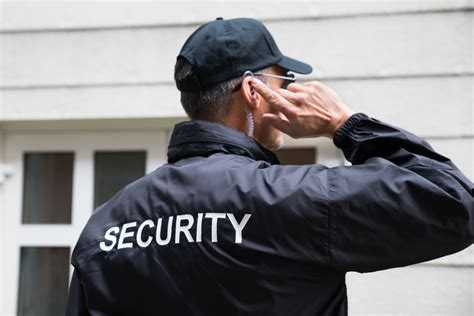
203, 138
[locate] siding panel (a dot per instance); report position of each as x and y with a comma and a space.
347, 47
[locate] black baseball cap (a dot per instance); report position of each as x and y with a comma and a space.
221, 50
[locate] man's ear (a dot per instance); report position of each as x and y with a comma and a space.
249, 93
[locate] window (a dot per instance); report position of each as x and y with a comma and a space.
47, 188
114, 170
44, 280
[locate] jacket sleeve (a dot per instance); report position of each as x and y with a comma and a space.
400, 202
76, 304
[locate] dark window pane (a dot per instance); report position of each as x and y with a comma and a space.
296, 156
47, 188
114, 170
44, 278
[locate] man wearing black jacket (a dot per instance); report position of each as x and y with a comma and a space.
224, 229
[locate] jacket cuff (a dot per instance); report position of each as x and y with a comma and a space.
343, 133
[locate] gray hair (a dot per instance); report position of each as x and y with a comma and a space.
211, 103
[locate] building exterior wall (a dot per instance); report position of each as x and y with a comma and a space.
71, 67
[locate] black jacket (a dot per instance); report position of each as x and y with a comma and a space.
240, 234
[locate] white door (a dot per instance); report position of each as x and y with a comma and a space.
46, 207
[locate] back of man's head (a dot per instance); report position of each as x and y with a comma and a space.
211, 103
211, 63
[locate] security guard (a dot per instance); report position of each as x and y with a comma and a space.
224, 229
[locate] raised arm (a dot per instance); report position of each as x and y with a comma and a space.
400, 202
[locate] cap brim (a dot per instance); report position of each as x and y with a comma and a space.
295, 65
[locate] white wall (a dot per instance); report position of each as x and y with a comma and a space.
2, 210
408, 63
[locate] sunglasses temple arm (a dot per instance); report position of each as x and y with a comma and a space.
275, 76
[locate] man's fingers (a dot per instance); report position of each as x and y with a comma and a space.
314, 84
273, 98
296, 87
278, 122
290, 96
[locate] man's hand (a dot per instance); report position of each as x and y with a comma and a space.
309, 110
